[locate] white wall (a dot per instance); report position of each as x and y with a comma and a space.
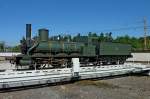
140, 57
8, 54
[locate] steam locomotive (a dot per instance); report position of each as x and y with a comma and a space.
46, 53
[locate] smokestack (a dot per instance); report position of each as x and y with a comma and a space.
28, 35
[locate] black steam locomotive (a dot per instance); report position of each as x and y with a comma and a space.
46, 53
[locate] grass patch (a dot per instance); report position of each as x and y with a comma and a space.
99, 84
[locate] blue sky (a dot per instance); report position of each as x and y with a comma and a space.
71, 17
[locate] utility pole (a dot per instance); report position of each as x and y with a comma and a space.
145, 33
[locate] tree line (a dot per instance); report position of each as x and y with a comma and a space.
137, 43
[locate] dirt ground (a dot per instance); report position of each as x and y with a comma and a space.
131, 87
